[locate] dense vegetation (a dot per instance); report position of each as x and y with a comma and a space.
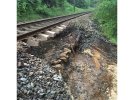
106, 14
35, 9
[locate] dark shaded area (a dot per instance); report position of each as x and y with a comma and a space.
79, 3
54, 3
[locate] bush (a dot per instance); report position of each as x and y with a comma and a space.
106, 14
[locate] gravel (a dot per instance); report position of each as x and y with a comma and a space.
37, 81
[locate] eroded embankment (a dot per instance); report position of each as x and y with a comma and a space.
79, 64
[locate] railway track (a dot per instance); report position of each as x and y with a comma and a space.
39, 27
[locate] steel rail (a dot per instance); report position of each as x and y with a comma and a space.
52, 22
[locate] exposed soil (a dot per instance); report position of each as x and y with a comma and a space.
80, 59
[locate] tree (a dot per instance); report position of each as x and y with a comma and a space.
79, 3
93, 3
54, 3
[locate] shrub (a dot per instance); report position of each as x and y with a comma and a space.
106, 14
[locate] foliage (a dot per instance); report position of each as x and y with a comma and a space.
54, 3
106, 14
35, 9
93, 3
27, 9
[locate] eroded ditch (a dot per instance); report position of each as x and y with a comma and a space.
84, 66
86, 61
